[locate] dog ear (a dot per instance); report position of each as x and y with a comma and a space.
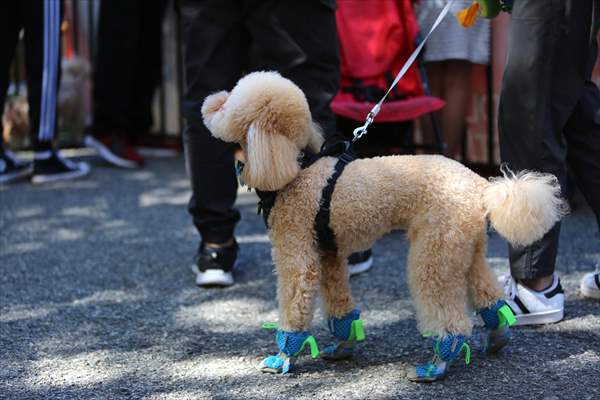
271, 159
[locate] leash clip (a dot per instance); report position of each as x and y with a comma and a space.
362, 130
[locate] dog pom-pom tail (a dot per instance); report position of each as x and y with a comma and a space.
522, 207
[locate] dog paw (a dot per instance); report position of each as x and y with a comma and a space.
339, 351
277, 364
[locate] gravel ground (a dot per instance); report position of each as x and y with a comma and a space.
98, 302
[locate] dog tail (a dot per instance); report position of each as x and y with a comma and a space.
522, 207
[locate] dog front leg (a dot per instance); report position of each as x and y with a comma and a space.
343, 319
298, 282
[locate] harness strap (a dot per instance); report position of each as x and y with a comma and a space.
342, 149
266, 202
325, 235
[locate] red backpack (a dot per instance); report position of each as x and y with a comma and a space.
376, 38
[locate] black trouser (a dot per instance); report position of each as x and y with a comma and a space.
41, 22
225, 39
129, 64
548, 108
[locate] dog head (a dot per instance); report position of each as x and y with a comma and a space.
268, 116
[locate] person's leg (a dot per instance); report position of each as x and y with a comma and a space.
11, 23
148, 66
542, 84
306, 53
114, 89
215, 57
582, 132
42, 51
115, 70
435, 77
583, 140
11, 168
435, 71
457, 89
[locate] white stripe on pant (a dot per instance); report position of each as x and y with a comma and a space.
50, 69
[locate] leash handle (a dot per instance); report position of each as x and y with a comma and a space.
362, 130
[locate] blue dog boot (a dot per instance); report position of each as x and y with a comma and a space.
446, 350
290, 345
348, 330
497, 320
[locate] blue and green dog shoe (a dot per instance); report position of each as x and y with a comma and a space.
348, 330
497, 320
446, 350
290, 345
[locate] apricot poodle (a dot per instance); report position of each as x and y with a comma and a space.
443, 206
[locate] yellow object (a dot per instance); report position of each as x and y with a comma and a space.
467, 17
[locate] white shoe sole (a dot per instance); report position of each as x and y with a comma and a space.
107, 155
82, 170
359, 268
214, 277
540, 318
590, 292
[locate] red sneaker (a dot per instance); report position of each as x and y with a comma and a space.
115, 149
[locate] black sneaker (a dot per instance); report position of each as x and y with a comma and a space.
214, 266
12, 169
360, 261
49, 166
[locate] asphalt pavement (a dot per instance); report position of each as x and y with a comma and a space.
97, 301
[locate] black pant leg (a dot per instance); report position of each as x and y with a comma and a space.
148, 66
544, 79
42, 58
583, 140
215, 55
11, 22
116, 62
299, 39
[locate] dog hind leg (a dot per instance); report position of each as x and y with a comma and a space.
483, 286
437, 276
438, 260
486, 298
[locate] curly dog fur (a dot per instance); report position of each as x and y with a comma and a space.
443, 206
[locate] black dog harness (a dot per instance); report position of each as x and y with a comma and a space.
342, 149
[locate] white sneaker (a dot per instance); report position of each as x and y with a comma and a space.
590, 284
531, 307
